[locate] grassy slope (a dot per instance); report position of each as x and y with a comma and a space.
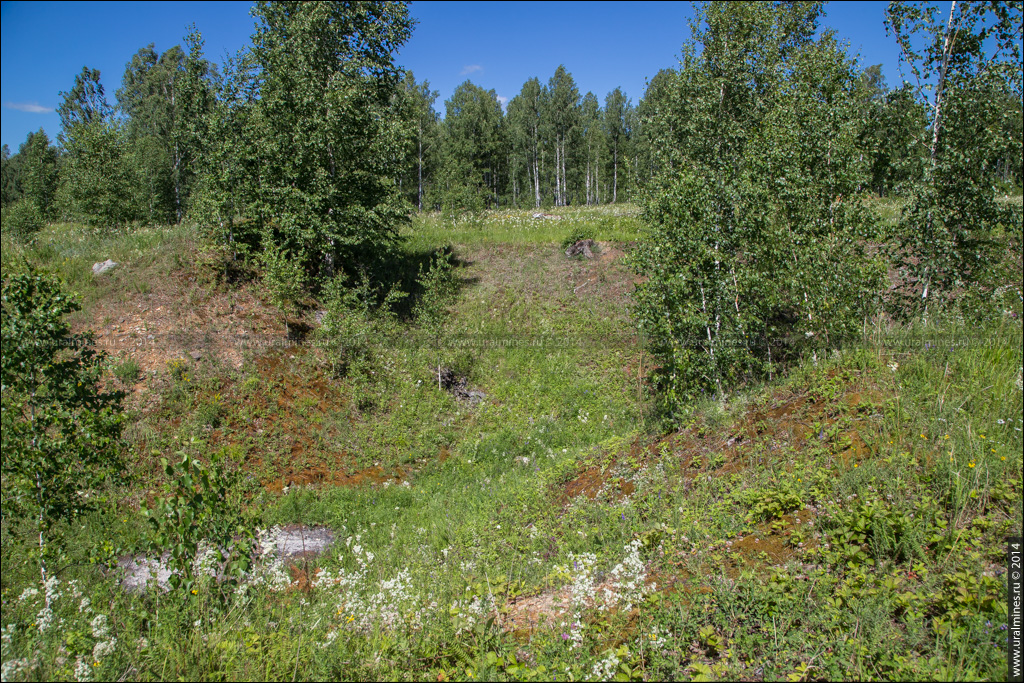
845, 522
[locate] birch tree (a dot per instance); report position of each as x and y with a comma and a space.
966, 61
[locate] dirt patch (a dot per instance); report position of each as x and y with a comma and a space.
553, 607
588, 483
527, 613
592, 482
370, 476
180, 318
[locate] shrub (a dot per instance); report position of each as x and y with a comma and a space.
23, 218
60, 432
756, 247
127, 371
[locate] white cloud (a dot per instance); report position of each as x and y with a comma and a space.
471, 68
30, 107
502, 100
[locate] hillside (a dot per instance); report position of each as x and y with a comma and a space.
528, 519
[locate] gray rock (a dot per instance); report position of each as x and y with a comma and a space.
136, 572
196, 355
581, 248
100, 268
303, 540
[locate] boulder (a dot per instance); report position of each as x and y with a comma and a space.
581, 248
100, 268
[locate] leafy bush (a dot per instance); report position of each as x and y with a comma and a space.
756, 248
439, 290
199, 524
284, 277
23, 218
354, 327
60, 432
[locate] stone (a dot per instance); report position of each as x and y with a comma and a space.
291, 543
581, 248
100, 268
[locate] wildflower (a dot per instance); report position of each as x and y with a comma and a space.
99, 626
44, 619
104, 648
82, 670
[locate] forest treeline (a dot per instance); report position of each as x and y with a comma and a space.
179, 136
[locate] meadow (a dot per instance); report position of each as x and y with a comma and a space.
846, 520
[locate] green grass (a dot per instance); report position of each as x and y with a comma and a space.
847, 521
615, 223
144, 254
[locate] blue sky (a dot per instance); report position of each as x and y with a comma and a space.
497, 45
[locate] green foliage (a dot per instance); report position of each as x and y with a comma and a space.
423, 142
31, 174
128, 370
893, 124
60, 431
949, 236
167, 99
472, 146
284, 278
22, 218
97, 184
756, 250
440, 287
199, 524
358, 326
773, 502
324, 133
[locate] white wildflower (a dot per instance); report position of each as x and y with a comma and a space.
104, 648
99, 626
606, 668
44, 619
83, 672
207, 560
50, 586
